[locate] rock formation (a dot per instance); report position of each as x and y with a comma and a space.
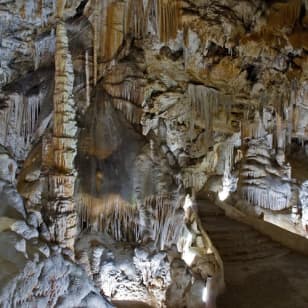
60, 212
112, 111
33, 271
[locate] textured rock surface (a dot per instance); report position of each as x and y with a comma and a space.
145, 258
34, 273
115, 109
60, 212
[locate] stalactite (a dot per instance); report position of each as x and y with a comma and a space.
23, 10
108, 42
108, 22
87, 73
285, 14
112, 29
265, 198
150, 19
253, 129
43, 47
40, 7
129, 90
132, 113
18, 123
205, 104
168, 19
229, 155
164, 219
280, 137
203, 101
110, 214
31, 116
194, 179
135, 18
95, 40
290, 113
60, 5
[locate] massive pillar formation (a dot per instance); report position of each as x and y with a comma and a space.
60, 212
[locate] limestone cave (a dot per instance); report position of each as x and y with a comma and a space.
154, 153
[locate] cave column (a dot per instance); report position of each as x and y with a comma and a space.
60, 212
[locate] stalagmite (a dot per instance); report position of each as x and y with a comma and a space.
83, 260
96, 259
95, 266
60, 5
60, 213
229, 182
40, 7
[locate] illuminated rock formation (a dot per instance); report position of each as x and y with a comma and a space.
60, 209
168, 97
32, 272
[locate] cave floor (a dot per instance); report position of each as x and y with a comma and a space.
259, 273
272, 283
297, 161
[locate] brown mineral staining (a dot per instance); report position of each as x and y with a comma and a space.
169, 19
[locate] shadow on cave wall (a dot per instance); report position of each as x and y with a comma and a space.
107, 151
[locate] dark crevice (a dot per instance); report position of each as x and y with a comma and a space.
80, 8
252, 73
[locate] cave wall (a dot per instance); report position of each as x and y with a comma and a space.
156, 98
170, 95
